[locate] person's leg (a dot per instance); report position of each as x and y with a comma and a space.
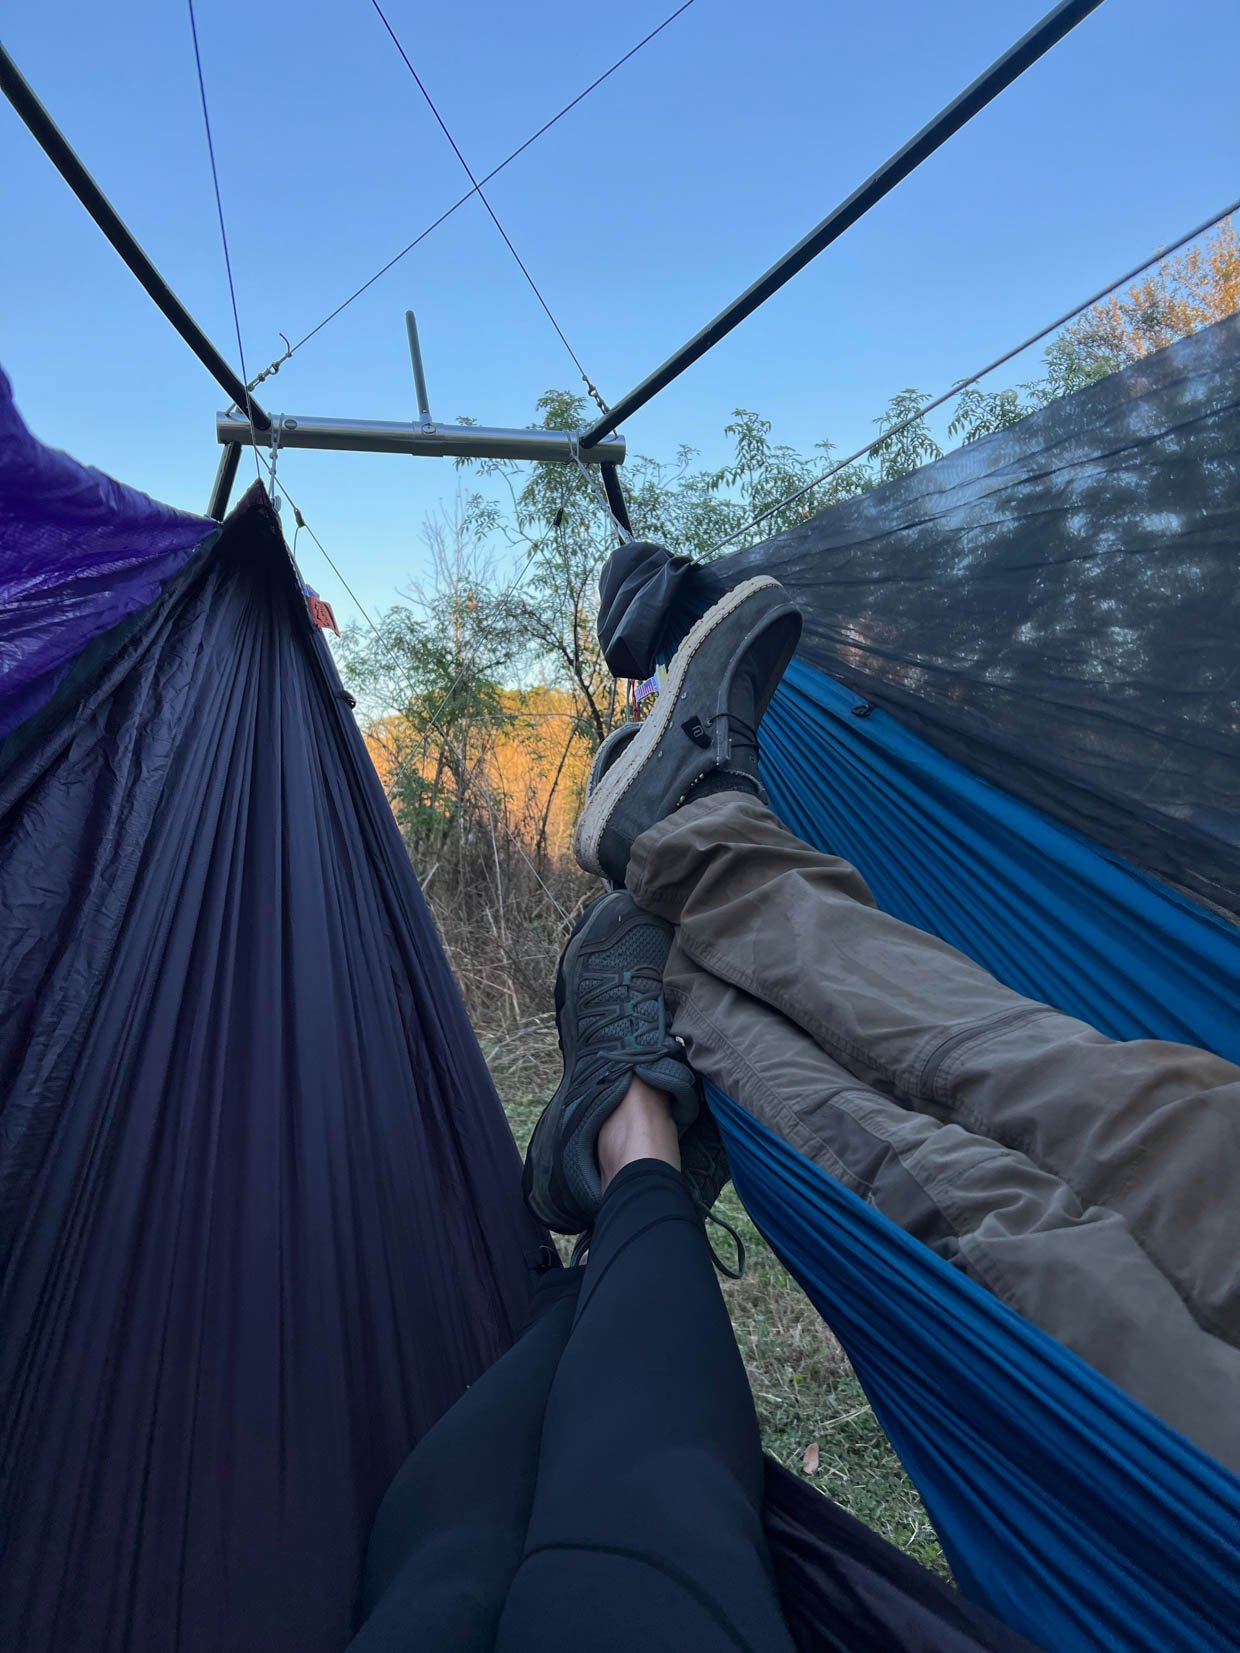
646, 1531
450, 1532
1075, 1270
1144, 1129
1050, 1161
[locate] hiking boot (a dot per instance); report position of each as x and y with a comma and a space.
703, 1157
613, 1025
704, 1161
702, 734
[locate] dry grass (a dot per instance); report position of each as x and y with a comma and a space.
804, 1388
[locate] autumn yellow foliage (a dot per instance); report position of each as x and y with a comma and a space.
1186, 291
535, 762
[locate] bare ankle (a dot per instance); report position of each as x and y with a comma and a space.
641, 1128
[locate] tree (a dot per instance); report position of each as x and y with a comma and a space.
1188, 291
907, 448
763, 474
980, 412
429, 684
472, 767
554, 522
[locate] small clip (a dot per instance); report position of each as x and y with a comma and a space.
696, 731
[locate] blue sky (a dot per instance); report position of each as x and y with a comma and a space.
641, 214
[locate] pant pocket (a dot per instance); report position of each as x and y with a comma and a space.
870, 1145
939, 1068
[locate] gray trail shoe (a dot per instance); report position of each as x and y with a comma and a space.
703, 1157
613, 1025
703, 729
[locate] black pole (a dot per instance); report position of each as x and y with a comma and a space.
225, 476
1052, 28
66, 162
615, 496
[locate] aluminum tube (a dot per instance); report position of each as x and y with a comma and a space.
434, 441
419, 372
225, 476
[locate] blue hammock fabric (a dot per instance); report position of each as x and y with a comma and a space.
1065, 1507
1047, 912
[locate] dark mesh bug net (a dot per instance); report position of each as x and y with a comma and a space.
1054, 606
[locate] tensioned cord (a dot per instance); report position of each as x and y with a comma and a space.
494, 217
291, 349
219, 211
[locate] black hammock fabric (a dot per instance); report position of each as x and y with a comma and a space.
260, 1212
843, 1589
1055, 606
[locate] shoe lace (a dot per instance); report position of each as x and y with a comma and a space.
742, 733
726, 1269
612, 1000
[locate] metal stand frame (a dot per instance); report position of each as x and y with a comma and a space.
430, 440
424, 437
596, 445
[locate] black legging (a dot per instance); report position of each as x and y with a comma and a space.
601, 1486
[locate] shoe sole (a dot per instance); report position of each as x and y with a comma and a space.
607, 756
616, 781
610, 753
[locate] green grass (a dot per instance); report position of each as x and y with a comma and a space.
804, 1388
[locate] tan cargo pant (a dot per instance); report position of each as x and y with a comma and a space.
1092, 1184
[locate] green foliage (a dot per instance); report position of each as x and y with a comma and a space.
552, 521
981, 413
763, 474
1072, 365
909, 444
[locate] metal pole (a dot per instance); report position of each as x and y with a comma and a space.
419, 374
436, 441
66, 162
974, 98
225, 476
